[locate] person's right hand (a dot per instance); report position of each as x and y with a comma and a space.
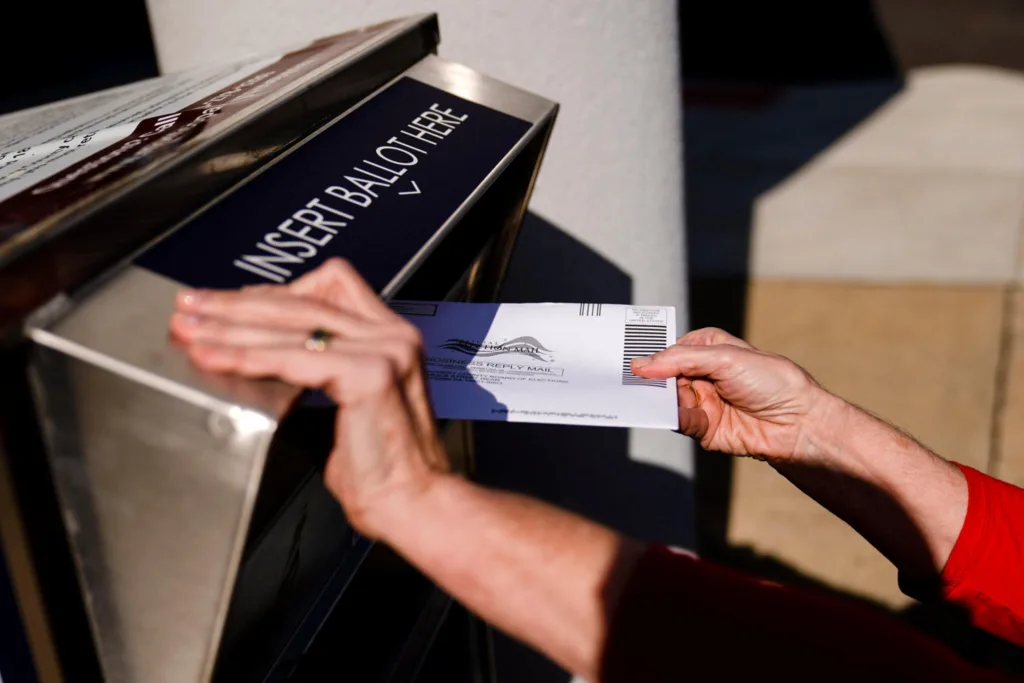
736, 399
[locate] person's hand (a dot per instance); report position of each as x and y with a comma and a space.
386, 444
736, 399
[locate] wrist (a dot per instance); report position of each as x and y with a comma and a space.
827, 420
406, 507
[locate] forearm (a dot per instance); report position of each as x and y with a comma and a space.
905, 500
543, 575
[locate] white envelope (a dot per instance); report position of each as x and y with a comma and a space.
553, 363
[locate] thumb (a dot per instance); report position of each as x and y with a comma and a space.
714, 362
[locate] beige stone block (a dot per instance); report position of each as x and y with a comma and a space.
1010, 462
948, 117
889, 224
923, 357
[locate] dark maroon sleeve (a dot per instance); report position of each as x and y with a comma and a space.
684, 619
985, 571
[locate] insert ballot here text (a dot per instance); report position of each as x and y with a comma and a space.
310, 228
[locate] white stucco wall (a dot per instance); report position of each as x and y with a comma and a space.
612, 176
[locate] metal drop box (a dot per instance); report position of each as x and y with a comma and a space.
163, 525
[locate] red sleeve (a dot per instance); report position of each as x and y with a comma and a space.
985, 571
683, 619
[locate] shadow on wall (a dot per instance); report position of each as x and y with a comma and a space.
584, 469
15, 659
741, 139
744, 134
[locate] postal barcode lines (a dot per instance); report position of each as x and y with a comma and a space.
642, 340
590, 310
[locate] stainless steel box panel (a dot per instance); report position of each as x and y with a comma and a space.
158, 466
157, 492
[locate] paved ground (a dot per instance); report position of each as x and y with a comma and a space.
887, 264
870, 229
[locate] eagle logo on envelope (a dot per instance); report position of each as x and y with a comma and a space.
521, 346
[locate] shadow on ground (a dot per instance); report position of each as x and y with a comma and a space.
742, 137
739, 142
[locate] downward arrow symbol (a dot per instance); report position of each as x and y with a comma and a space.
415, 189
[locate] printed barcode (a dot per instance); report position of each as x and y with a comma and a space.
590, 309
642, 340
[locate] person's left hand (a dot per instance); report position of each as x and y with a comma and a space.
386, 444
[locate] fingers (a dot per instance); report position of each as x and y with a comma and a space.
688, 396
332, 370
403, 348
711, 336
274, 309
386, 439
346, 377
266, 289
694, 423
715, 362
404, 356
194, 329
267, 317
338, 283
677, 360
230, 331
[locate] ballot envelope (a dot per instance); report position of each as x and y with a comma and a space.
159, 524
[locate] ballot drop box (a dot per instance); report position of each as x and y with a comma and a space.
162, 525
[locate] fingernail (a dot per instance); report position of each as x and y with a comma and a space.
191, 297
189, 320
642, 361
696, 396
